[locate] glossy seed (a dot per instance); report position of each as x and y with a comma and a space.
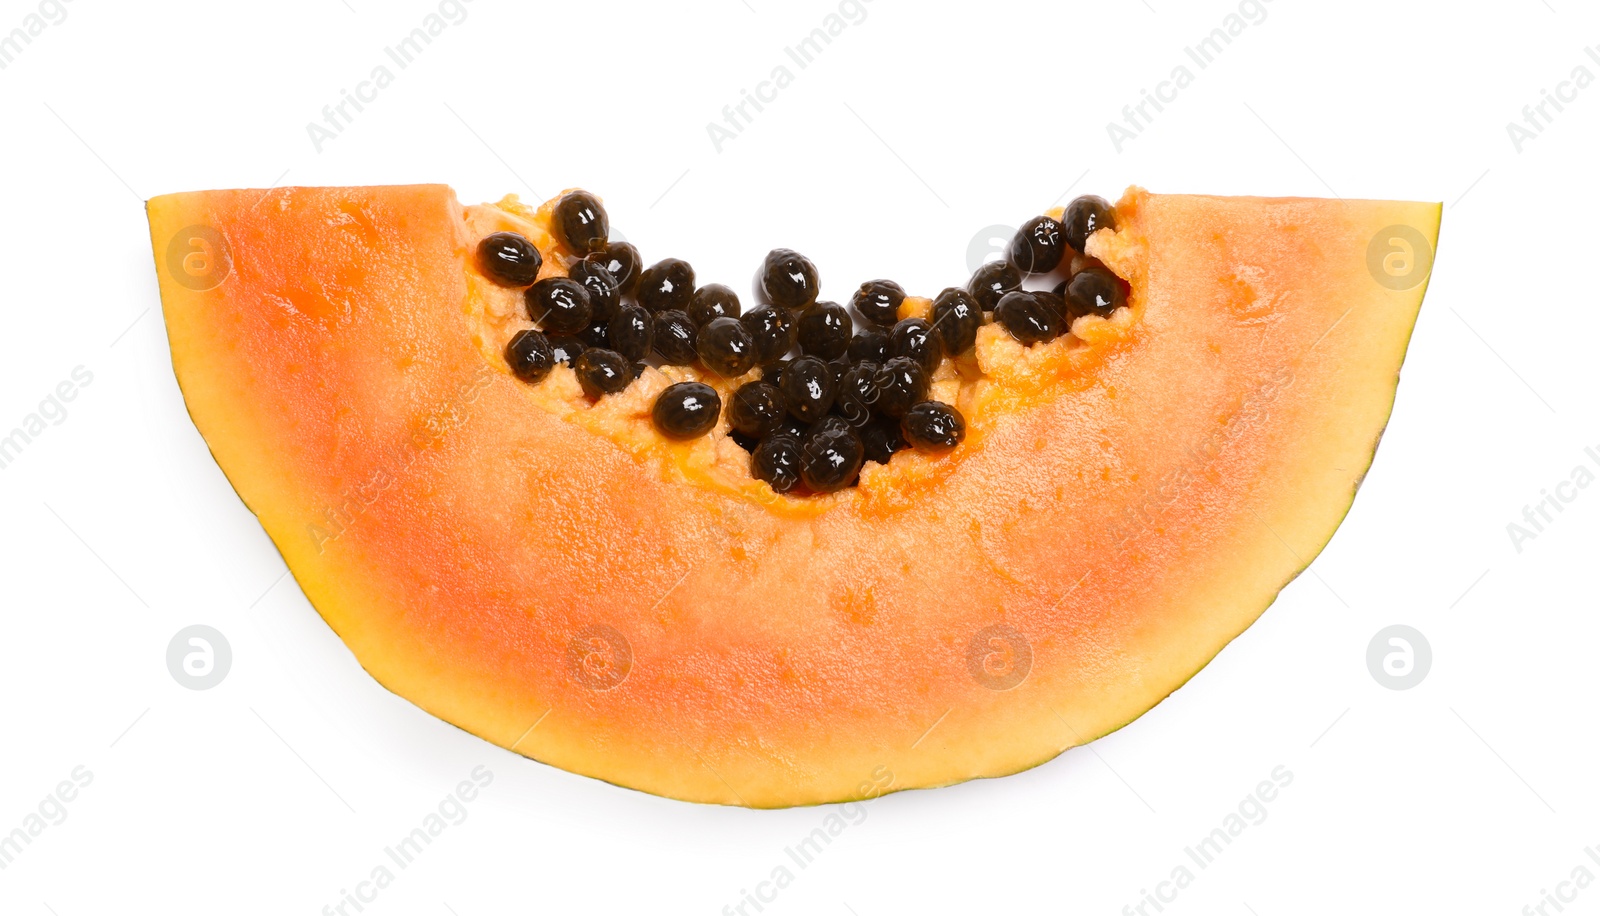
993, 280
713, 301
777, 461
666, 284
1029, 319
582, 222
530, 356
934, 426
790, 427
901, 383
831, 459
604, 293
857, 393
726, 347
567, 349
789, 279
1095, 291
808, 388
772, 373
621, 260
1085, 215
878, 301
508, 259
774, 330
1038, 246
825, 330
1056, 299
957, 317
868, 346
686, 410
632, 332
558, 305
914, 338
673, 338
880, 439
756, 409
597, 334
601, 372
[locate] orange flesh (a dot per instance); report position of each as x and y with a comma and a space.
1128, 500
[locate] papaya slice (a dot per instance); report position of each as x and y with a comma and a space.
549, 574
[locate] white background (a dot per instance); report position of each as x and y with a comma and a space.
913, 130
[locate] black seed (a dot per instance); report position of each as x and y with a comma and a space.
901, 383
509, 259
604, 294
836, 370
603, 371
632, 332
789, 279
597, 334
957, 317
1094, 291
914, 338
621, 260
1057, 301
674, 338
713, 301
857, 393
773, 374
881, 439
639, 367
777, 461
993, 280
868, 346
828, 424
1084, 216
567, 349
686, 410
934, 425
726, 347
808, 388
774, 330
831, 459
582, 221
1028, 318
825, 330
1038, 245
756, 409
790, 427
666, 284
530, 356
748, 443
558, 305
878, 301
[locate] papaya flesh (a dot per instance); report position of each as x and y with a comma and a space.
551, 575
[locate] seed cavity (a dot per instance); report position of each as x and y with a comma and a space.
839, 385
